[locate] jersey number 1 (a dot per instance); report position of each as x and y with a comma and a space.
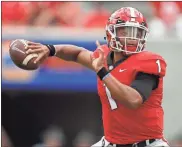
159, 65
111, 100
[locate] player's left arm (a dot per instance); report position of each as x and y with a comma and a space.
146, 80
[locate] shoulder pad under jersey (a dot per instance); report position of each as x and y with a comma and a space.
151, 63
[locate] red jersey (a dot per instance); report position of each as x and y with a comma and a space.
126, 126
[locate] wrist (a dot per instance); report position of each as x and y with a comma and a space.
103, 73
98, 69
52, 50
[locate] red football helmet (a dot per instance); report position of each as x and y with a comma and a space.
127, 31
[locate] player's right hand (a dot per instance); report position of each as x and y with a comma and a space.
40, 49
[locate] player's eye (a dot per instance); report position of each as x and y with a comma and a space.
139, 34
120, 32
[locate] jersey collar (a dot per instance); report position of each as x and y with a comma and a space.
110, 57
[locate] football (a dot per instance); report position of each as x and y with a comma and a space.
17, 53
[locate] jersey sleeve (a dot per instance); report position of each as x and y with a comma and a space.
155, 66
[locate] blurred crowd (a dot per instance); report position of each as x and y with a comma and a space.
165, 17
54, 136
63, 14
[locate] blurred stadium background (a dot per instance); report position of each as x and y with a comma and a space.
57, 104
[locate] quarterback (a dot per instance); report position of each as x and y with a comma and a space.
130, 80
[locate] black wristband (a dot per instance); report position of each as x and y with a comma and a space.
102, 73
51, 49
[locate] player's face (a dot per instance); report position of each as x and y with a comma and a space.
131, 33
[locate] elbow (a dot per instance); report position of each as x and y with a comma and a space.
133, 104
136, 103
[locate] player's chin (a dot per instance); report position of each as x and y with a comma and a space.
131, 48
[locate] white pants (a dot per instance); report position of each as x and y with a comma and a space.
104, 143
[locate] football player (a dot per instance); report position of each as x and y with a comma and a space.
130, 80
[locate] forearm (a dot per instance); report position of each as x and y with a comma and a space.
74, 53
68, 52
123, 93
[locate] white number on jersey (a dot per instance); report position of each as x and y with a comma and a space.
159, 65
111, 100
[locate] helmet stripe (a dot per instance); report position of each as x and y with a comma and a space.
132, 12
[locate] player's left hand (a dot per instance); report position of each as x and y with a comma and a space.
98, 62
